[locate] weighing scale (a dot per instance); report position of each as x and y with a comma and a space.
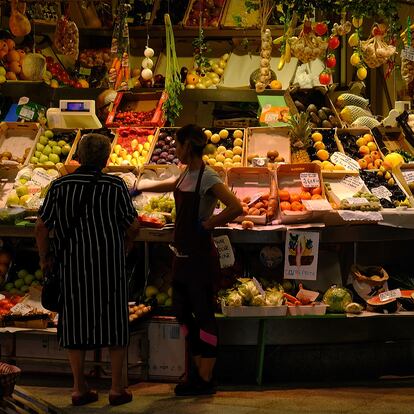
73, 114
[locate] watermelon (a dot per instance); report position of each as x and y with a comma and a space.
337, 298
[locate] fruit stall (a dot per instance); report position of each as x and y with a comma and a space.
307, 118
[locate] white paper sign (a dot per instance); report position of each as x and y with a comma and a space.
225, 251
259, 286
408, 176
353, 182
310, 180
317, 205
301, 255
381, 192
21, 309
408, 53
390, 294
41, 178
347, 162
254, 198
357, 201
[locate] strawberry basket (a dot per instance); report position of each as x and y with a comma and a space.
8, 378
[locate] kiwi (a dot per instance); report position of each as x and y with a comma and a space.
299, 105
322, 115
314, 118
312, 108
328, 111
326, 124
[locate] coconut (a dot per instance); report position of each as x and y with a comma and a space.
33, 67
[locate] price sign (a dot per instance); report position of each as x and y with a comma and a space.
357, 201
381, 192
408, 176
259, 286
353, 182
408, 53
27, 113
41, 178
21, 309
310, 180
225, 251
317, 205
347, 162
255, 198
390, 294
85, 71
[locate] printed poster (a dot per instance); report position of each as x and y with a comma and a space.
301, 255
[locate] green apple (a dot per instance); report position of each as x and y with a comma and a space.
37, 154
62, 143
49, 134
66, 149
23, 180
28, 279
56, 149
35, 283
52, 143
25, 288
40, 147
43, 140
38, 274
34, 160
21, 274
18, 283
47, 150
22, 190
43, 158
13, 199
9, 286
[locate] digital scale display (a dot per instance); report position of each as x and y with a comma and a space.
75, 107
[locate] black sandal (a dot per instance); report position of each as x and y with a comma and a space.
119, 399
87, 398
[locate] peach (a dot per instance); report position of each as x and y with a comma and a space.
363, 163
364, 150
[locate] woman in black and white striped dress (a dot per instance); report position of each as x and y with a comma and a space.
93, 219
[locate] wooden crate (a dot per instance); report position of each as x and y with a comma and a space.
171, 131
391, 139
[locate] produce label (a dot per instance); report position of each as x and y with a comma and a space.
381, 192
41, 178
408, 176
254, 198
85, 71
408, 53
259, 286
390, 294
347, 162
21, 309
357, 201
310, 180
301, 255
352, 182
317, 205
27, 113
225, 251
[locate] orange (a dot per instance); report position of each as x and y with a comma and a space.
375, 155
368, 138
378, 162
317, 197
294, 197
285, 205
192, 79
296, 206
364, 150
363, 163
13, 56
371, 166
368, 158
284, 195
275, 84
317, 190
305, 195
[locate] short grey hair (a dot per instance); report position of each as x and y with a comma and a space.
94, 149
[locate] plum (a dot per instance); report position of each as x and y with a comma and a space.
162, 135
170, 157
171, 151
164, 155
176, 161
165, 148
157, 151
168, 139
160, 143
155, 158
161, 161
172, 143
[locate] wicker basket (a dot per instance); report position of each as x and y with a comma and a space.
8, 378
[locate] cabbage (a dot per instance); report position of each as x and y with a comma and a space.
337, 298
258, 300
248, 290
234, 298
274, 297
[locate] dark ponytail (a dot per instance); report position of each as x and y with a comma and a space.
195, 136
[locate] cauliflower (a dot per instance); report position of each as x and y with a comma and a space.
234, 299
274, 297
248, 290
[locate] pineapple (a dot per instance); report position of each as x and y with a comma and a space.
300, 141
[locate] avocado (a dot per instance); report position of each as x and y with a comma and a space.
326, 124
312, 108
322, 115
314, 118
327, 110
299, 105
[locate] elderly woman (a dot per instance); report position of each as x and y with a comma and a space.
94, 221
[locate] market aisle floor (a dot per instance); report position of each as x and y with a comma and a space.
379, 397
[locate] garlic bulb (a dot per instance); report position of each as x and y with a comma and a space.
146, 74
147, 63
148, 52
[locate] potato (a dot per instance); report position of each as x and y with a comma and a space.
259, 205
246, 199
251, 211
247, 224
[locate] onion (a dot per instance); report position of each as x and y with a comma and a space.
33, 67
148, 52
147, 63
146, 74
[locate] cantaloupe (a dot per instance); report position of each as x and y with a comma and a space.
33, 67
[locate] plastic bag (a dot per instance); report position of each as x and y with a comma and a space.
66, 40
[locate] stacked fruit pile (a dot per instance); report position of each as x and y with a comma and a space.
163, 298
138, 311
24, 281
133, 117
164, 150
132, 146
324, 145
292, 200
225, 148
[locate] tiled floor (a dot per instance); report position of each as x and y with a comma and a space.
379, 397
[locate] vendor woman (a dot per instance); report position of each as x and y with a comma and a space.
196, 193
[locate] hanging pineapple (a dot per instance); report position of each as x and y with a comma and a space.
300, 137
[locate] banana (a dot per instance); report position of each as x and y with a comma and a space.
281, 62
288, 53
278, 40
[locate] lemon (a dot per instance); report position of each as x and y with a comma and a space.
237, 164
228, 153
221, 149
238, 134
237, 150
355, 59
220, 157
339, 167
228, 161
215, 138
362, 73
150, 138
219, 164
146, 146
317, 136
208, 133
326, 165
224, 134
238, 142
361, 141
394, 159
236, 158
319, 145
205, 158
117, 148
211, 161
353, 40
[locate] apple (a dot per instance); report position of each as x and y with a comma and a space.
43, 140
28, 279
38, 274
47, 150
18, 283
21, 274
49, 134
54, 158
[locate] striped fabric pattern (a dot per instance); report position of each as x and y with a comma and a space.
92, 264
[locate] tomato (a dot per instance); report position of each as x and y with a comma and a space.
320, 28
325, 78
331, 61
333, 42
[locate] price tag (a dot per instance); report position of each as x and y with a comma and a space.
347, 162
357, 201
307, 296
41, 178
390, 294
408, 53
310, 180
259, 286
408, 176
85, 71
27, 113
254, 198
317, 205
225, 251
21, 309
381, 192
353, 182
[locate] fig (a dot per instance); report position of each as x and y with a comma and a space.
326, 124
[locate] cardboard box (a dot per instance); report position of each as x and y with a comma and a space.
138, 102
167, 350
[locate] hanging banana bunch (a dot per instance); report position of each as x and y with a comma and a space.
283, 40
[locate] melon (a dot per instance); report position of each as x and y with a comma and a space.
376, 305
33, 67
407, 299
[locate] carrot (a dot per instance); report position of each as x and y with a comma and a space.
118, 80
126, 73
290, 298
